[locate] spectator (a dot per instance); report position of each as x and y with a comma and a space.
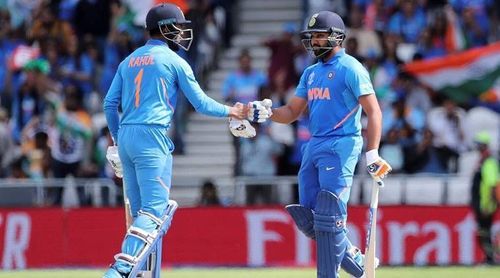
483, 201
423, 157
446, 123
78, 67
387, 69
408, 23
47, 26
402, 116
35, 149
432, 39
244, 84
209, 41
7, 45
69, 137
7, 149
352, 48
28, 101
367, 40
283, 50
260, 154
392, 150
476, 32
209, 195
377, 16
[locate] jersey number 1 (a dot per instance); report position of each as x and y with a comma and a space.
138, 82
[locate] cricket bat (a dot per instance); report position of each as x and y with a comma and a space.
126, 202
371, 238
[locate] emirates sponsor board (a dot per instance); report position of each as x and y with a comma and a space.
34, 238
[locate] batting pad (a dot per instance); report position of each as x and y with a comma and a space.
331, 241
304, 219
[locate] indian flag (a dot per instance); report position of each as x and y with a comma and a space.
461, 76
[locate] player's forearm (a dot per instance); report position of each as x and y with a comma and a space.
284, 115
112, 117
206, 105
374, 130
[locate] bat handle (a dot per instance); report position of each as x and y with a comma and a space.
379, 182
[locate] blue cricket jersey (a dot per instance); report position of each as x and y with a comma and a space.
332, 89
147, 83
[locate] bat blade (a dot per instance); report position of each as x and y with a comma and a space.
126, 202
371, 238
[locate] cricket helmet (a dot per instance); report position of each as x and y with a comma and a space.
171, 22
324, 22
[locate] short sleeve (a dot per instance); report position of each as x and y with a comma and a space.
301, 90
358, 81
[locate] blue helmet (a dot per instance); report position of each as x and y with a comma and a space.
324, 22
170, 20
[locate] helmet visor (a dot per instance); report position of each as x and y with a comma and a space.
178, 34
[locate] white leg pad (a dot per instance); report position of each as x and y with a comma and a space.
151, 241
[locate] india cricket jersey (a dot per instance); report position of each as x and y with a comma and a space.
332, 89
147, 84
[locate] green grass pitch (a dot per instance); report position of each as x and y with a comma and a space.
383, 272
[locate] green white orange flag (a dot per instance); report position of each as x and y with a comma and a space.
461, 76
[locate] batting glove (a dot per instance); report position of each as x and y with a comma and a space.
377, 167
260, 111
241, 128
114, 160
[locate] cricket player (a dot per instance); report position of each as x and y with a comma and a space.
336, 90
146, 85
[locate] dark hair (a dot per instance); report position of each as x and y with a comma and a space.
245, 52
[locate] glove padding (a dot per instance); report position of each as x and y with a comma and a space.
114, 159
260, 111
377, 167
241, 128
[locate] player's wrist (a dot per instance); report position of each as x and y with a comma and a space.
229, 111
372, 156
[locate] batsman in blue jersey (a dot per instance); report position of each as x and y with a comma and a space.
336, 90
146, 85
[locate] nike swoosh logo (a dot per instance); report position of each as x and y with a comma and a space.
330, 168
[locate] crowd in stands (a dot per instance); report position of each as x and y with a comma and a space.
57, 60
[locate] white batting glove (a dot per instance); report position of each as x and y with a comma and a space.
377, 167
241, 128
114, 160
260, 111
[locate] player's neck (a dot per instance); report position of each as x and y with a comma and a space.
332, 53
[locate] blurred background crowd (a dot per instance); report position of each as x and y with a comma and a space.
58, 59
